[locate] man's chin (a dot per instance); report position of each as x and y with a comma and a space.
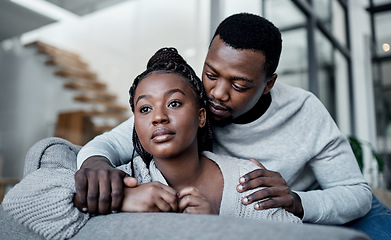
220, 120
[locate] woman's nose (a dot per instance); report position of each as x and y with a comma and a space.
160, 117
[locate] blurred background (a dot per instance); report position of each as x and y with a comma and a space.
66, 65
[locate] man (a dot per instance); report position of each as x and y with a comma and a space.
307, 166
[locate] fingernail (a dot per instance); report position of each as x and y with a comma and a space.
257, 206
114, 211
84, 209
242, 180
245, 200
240, 187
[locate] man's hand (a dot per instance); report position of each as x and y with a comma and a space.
275, 192
99, 186
150, 197
192, 201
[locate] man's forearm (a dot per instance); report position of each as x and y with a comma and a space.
115, 145
336, 205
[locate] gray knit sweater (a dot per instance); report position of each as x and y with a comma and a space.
231, 203
43, 200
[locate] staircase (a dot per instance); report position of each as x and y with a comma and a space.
103, 112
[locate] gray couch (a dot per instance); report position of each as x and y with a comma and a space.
170, 225
183, 226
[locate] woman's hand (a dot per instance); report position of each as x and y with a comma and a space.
150, 197
99, 186
274, 193
192, 201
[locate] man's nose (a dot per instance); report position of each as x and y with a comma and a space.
220, 90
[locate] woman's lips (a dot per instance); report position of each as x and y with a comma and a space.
162, 135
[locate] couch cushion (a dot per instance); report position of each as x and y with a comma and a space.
183, 226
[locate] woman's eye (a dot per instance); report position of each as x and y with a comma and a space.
174, 104
145, 109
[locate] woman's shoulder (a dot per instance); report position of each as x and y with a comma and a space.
233, 165
138, 169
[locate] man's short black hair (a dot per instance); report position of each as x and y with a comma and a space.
245, 31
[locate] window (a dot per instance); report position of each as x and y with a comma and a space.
380, 11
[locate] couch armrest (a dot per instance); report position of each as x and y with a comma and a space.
184, 226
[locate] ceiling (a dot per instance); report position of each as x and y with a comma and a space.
16, 19
83, 7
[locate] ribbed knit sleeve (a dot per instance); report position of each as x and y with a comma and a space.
141, 172
43, 202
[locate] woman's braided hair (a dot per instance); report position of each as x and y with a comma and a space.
168, 60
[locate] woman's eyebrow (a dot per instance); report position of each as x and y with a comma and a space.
169, 92
142, 97
175, 90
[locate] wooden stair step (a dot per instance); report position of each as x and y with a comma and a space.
103, 128
89, 82
46, 48
73, 77
111, 105
75, 126
76, 73
66, 63
62, 57
119, 116
99, 92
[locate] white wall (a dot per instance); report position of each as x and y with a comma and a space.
117, 43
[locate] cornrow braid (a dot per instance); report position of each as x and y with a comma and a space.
168, 60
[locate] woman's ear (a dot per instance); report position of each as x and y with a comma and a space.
201, 117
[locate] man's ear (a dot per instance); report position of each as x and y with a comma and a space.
201, 117
270, 83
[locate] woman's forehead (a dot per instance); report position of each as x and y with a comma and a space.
160, 81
